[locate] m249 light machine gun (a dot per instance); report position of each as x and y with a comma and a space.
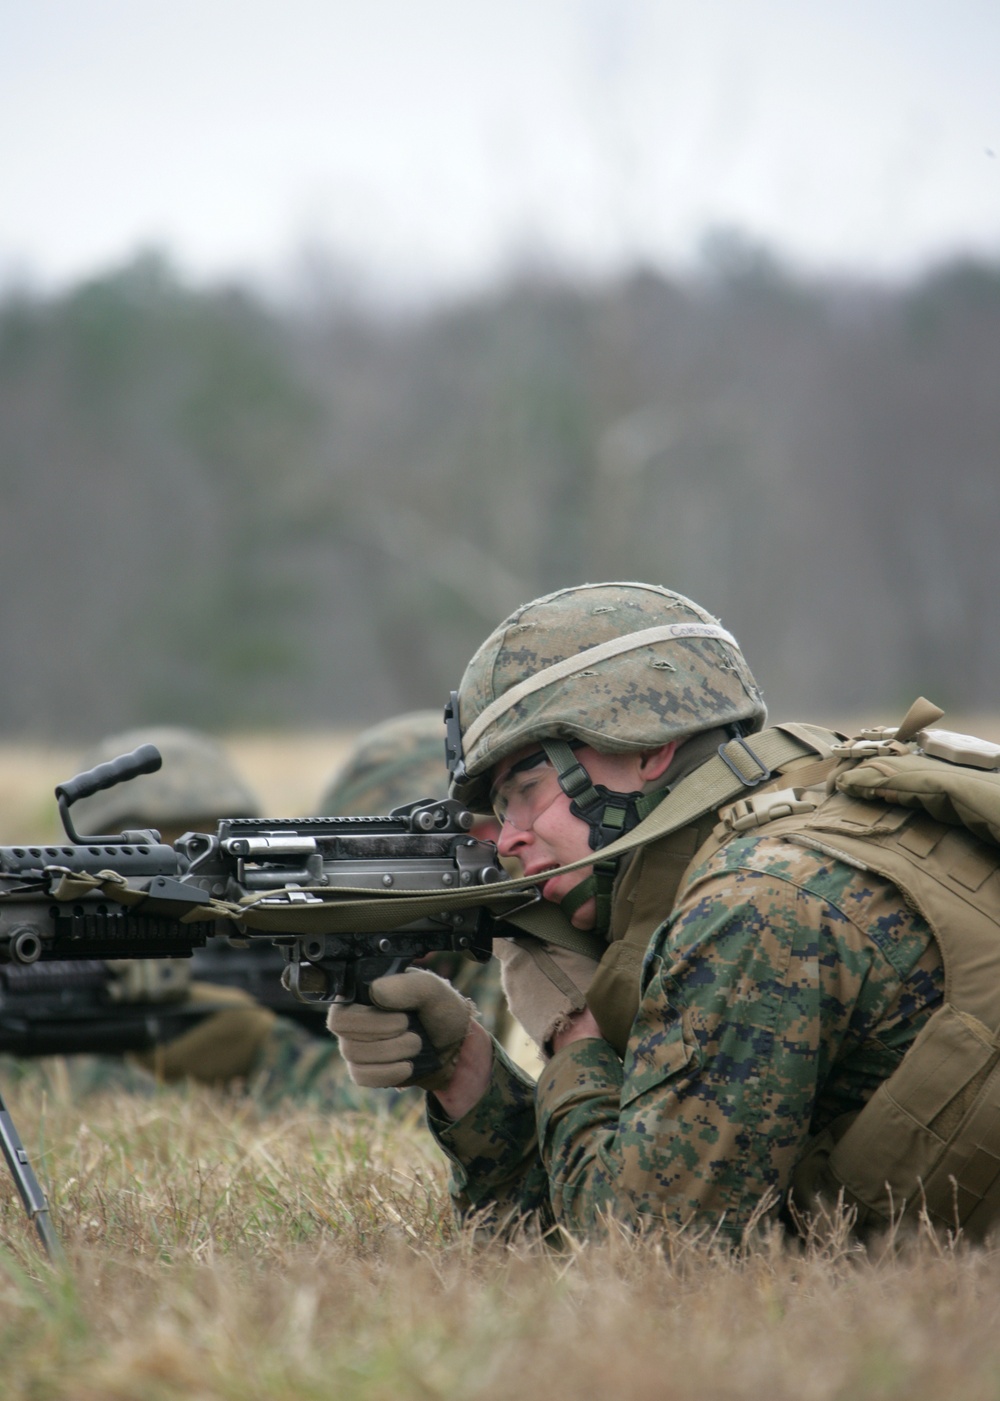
345, 899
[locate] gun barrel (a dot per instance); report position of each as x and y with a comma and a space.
128, 858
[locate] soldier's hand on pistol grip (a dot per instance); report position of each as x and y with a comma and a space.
411, 1035
544, 985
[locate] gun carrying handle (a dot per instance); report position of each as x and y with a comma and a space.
145, 759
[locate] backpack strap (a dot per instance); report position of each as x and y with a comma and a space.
739, 764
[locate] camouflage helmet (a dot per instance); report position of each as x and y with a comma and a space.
390, 764
621, 667
196, 783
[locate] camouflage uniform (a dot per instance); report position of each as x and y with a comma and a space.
783, 988
777, 992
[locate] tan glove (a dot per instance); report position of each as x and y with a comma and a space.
544, 985
410, 1036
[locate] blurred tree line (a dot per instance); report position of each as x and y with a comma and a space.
226, 512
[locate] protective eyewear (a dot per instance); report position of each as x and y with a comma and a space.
526, 791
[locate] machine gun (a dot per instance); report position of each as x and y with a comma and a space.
345, 900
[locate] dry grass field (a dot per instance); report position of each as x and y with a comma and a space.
218, 1254
214, 1254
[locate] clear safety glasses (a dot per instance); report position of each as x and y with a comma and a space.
525, 791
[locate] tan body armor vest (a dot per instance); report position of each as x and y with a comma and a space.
928, 1141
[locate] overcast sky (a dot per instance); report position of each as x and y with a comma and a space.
429, 143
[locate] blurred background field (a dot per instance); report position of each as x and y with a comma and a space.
242, 517
476, 305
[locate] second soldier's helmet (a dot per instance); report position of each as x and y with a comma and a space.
621, 667
196, 786
390, 764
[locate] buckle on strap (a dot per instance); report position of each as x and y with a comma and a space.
750, 777
575, 781
748, 813
869, 744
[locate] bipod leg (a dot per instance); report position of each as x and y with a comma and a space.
28, 1185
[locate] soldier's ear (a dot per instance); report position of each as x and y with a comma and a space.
653, 763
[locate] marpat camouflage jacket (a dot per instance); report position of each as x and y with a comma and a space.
782, 989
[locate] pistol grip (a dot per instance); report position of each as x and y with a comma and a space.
426, 1061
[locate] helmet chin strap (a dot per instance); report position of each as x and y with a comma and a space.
608, 815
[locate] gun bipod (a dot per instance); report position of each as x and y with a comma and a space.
28, 1186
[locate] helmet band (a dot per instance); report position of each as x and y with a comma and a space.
581, 661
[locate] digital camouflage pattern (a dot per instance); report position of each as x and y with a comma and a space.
390, 764
783, 988
642, 698
197, 782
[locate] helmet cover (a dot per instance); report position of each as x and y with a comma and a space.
621, 667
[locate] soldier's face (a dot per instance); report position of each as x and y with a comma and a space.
539, 828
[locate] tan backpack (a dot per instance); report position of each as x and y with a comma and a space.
925, 814
928, 1141
921, 807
